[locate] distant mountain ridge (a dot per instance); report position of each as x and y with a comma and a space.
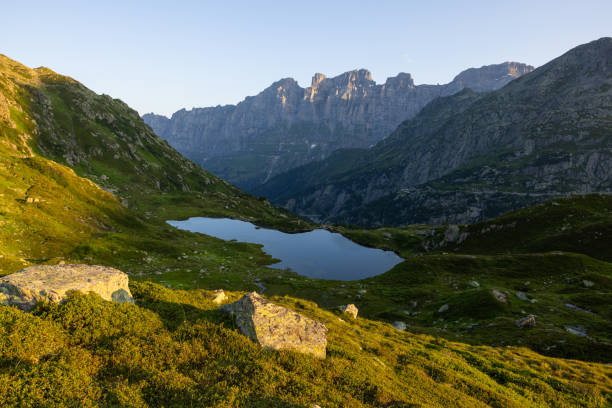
473, 156
286, 125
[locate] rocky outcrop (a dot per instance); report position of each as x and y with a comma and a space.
287, 125
276, 327
350, 309
51, 283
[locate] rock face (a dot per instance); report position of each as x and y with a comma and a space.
51, 283
287, 125
350, 309
469, 156
276, 327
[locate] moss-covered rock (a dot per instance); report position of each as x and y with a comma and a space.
52, 283
277, 327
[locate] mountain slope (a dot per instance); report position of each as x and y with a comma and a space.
176, 349
286, 125
472, 156
62, 146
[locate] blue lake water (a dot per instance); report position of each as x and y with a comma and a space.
316, 254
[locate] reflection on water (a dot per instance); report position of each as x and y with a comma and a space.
316, 254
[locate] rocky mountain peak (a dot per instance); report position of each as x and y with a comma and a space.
357, 77
489, 76
285, 83
401, 80
317, 79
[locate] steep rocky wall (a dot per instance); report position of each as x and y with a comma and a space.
286, 125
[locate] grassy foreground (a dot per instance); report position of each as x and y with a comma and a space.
174, 348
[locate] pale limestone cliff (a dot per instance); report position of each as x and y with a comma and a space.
286, 125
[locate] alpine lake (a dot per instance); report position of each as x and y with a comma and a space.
316, 254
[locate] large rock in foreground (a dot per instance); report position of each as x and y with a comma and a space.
276, 327
51, 283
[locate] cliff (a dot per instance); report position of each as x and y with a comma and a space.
286, 125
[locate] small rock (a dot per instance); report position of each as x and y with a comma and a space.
499, 296
443, 308
527, 283
576, 330
522, 296
527, 321
588, 283
362, 291
350, 309
474, 284
219, 296
578, 309
276, 327
399, 326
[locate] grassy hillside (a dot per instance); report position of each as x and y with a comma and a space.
174, 348
580, 224
83, 178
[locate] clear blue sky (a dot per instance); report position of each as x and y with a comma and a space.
162, 56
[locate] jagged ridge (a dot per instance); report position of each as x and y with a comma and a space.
472, 156
286, 125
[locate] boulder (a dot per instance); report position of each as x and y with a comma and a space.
219, 296
527, 321
443, 308
401, 326
350, 309
51, 283
576, 330
588, 283
276, 327
499, 296
522, 296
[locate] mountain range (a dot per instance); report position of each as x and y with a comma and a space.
286, 125
472, 156
509, 312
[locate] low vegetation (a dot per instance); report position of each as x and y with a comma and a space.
174, 348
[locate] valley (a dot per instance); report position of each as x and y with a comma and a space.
83, 180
